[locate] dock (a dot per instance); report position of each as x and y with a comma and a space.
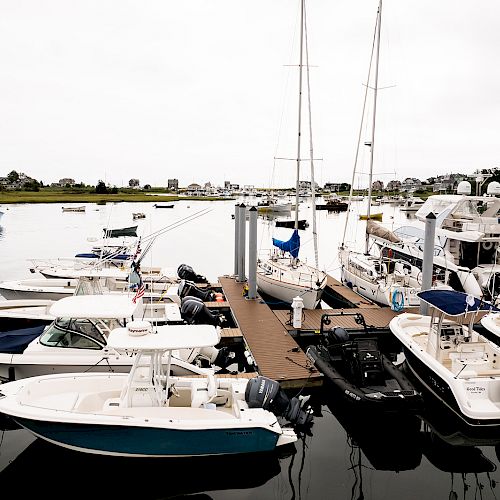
276, 354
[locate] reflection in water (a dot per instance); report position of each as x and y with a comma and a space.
52, 467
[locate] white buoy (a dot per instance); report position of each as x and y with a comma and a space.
297, 306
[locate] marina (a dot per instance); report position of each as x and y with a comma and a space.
266, 329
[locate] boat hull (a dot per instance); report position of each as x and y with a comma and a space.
407, 400
131, 441
286, 292
440, 389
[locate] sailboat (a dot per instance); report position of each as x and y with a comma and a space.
282, 275
383, 279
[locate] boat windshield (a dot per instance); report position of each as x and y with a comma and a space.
78, 333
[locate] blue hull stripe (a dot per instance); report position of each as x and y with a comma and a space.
153, 441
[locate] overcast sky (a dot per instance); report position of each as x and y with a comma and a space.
204, 90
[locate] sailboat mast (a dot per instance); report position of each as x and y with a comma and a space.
302, 2
311, 149
372, 145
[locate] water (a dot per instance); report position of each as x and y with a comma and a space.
345, 455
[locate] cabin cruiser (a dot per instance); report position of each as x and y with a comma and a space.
450, 358
412, 204
466, 246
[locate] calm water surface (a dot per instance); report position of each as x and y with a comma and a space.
344, 455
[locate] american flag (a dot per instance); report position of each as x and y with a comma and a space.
139, 293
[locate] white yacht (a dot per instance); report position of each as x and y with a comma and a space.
467, 241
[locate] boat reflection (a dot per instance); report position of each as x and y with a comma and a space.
56, 472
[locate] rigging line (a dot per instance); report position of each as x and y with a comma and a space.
311, 151
365, 100
173, 226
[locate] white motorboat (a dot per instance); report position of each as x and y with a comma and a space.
148, 412
452, 360
71, 335
280, 273
58, 288
412, 204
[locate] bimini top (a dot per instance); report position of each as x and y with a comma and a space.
455, 303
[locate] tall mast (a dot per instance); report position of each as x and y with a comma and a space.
300, 115
311, 150
372, 145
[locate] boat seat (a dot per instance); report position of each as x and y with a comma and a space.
203, 391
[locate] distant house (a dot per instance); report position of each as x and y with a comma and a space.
173, 184
333, 187
134, 183
377, 186
66, 181
447, 183
411, 184
394, 185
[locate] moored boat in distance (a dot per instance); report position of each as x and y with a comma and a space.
74, 209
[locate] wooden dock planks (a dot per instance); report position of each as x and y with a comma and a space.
276, 353
349, 295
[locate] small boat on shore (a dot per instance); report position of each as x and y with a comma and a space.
138, 215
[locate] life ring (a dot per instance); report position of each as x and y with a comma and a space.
487, 245
397, 300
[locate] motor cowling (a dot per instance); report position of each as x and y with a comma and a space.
336, 335
265, 393
188, 288
187, 273
195, 312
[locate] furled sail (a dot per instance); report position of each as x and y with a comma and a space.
292, 245
377, 230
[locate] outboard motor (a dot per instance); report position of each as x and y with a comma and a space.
189, 288
186, 272
336, 335
195, 312
262, 392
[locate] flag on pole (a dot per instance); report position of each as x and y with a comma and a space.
139, 293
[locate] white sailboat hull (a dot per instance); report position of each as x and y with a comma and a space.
284, 284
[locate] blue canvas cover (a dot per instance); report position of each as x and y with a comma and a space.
455, 303
292, 245
15, 341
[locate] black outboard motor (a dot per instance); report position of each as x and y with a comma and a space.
195, 312
262, 392
336, 335
189, 288
186, 272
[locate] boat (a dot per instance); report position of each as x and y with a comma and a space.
74, 209
164, 205
281, 274
148, 412
138, 215
333, 205
356, 369
120, 231
466, 241
302, 223
383, 278
450, 358
412, 204
273, 205
375, 216
71, 334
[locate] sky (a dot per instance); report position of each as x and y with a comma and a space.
207, 91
